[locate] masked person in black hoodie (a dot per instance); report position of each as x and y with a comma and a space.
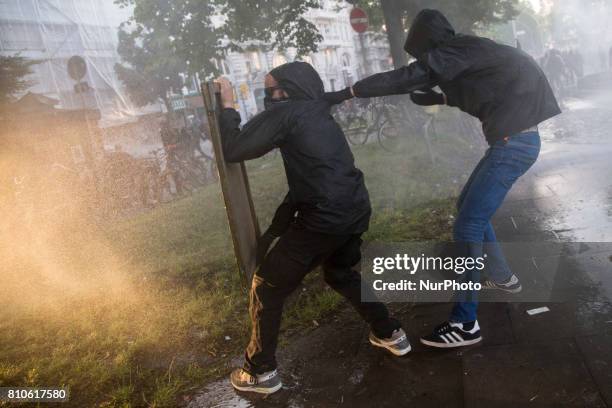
331, 205
504, 88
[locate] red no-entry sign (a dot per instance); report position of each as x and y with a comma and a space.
359, 20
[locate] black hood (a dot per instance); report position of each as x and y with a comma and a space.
428, 30
299, 79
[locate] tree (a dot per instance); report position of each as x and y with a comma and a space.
467, 16
13, 70
280, 23
167, 37
153, 69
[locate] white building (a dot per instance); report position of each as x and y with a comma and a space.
374, 52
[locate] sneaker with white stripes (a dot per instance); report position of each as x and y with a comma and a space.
397, 344
450, 334
265, 383
512, 285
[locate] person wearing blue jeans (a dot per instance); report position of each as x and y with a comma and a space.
507, 91
503, 163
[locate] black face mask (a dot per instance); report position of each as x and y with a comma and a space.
269, 102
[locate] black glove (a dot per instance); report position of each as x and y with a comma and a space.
338, 97
428, 98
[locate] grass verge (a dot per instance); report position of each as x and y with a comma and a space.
140, 311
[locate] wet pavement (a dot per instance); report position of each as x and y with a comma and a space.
561, 358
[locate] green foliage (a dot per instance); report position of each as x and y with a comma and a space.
13, 70
152, 70
376, 19
278, 23
466, 15
162, 40
177, 317
165, 38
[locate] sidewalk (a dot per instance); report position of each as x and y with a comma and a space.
561, 358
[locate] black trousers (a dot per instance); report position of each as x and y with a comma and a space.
298, 252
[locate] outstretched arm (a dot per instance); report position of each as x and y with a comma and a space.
398, 81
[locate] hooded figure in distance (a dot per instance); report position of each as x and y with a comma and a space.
320, 221
503, 87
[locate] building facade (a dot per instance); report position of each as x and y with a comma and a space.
339, 60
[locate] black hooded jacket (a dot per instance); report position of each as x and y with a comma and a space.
325, 187
500, 85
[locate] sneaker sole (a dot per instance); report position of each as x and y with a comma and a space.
257, 389
451, 345
396, 352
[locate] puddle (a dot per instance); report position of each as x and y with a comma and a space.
219, 394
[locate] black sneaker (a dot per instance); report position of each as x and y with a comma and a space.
265, 383
397, 344
512, 285
451, 334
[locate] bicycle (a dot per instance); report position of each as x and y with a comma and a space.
351, 118
386, 117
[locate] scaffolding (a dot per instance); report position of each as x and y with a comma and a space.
52, 31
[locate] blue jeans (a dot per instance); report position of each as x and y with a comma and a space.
503, 163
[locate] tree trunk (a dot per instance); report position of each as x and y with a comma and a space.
393, 12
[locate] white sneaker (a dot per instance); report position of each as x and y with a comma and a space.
265, 383
397, 344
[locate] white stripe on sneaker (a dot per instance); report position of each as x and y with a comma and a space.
457, 336
450, 345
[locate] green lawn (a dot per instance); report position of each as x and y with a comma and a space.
139, 311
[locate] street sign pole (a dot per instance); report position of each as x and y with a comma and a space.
77, 69
366, 71
359, 22
236, 192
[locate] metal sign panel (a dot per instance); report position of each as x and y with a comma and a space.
77, 67
359, 20
243, 224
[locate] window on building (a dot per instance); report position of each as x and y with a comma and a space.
328, 57
221, 66
346, 60
255, 61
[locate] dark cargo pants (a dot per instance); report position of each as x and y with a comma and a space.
298, 252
